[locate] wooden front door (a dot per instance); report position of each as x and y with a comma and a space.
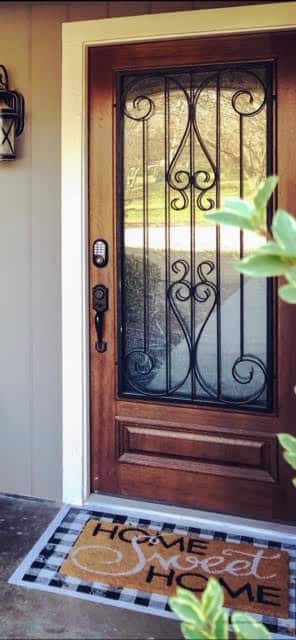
192, 366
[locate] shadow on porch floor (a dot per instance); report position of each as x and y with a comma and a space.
33, 614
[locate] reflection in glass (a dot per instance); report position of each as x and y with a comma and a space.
189, 321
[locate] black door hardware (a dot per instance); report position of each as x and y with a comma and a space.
100, 305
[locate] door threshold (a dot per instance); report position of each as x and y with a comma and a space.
195, 517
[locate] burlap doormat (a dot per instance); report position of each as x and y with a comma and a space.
253, 579
137, 564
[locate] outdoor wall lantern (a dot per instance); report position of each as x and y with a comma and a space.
12, 112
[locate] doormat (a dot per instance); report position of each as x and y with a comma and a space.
136, 563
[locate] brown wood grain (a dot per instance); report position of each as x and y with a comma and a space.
251, 455
237, 474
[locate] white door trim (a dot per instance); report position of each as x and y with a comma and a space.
77, 37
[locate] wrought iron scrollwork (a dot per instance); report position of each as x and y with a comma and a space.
140, 364
192, 293
142, 108
200, 180
248, 97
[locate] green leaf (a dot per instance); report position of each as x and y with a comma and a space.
284, 231
291, 275
287, 441
290, 459
187, 606
263, 266
247, 628
288, 293
264, 192
271, 249
212, 599
187, 596
223, 216
194, 633
220, 626
186, 611
239, 206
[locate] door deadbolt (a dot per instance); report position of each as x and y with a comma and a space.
100, 253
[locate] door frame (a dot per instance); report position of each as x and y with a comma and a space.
77, 37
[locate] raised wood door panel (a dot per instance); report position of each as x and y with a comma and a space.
204, 455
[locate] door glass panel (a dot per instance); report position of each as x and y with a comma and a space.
192, 329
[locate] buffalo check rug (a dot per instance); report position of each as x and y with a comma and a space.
137, 563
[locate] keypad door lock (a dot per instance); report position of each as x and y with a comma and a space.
100, 305
100, 253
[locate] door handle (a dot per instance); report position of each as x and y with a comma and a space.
100, 305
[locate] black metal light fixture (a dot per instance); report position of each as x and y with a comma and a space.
12, 113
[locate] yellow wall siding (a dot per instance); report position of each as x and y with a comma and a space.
15, 269
46, 50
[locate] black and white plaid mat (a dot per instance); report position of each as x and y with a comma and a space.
40, 568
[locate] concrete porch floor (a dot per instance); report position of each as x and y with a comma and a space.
34, 614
